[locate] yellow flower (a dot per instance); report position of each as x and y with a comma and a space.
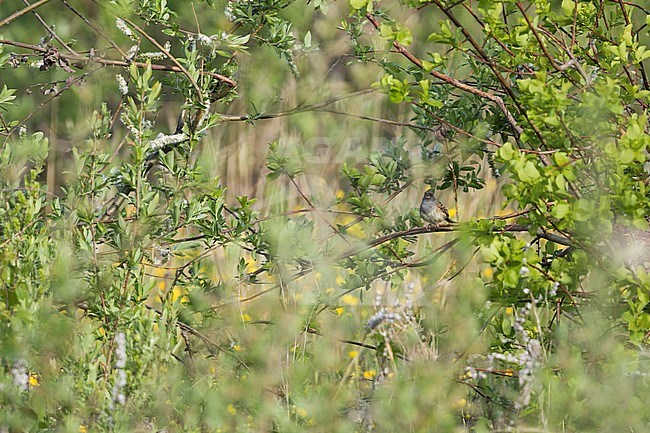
302, 413
349, 299
130, 210
340, 280
339, 311
340, 194
83, 429
452, 212
460, 404
509, 311
33, 380
178, 293
488, 272
246, 318
369, 374
357, 231
353, 353
158, 271
232, 410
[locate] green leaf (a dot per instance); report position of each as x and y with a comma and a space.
561, 158
386, 30
568, 6
511, 278
506, 326
358, 4
507, 152
404, 36
7, 95
490, 254
560, 210
626, 156
529, 172
561, 182
428, 66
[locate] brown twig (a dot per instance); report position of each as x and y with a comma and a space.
296, 110
311, 205
411, 232
107, 62
95, 28
454, 82
199, 92
211, 344
627, 21
22, 12
506, 86
48, 100
51, 32
537, 36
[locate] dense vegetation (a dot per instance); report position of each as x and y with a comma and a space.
209, 216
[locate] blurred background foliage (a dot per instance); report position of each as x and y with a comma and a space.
209, 216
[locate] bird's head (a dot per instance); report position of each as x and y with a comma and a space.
429, 195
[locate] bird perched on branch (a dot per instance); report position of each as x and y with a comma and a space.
433, 211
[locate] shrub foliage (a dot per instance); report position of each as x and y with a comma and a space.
144, 288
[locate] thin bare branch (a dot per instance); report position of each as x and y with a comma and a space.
22, 12
51, 31
107, 62
454, 82
95, 28
199, 92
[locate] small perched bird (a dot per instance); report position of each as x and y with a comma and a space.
432, 211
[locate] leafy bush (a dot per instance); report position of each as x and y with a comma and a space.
159, 275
